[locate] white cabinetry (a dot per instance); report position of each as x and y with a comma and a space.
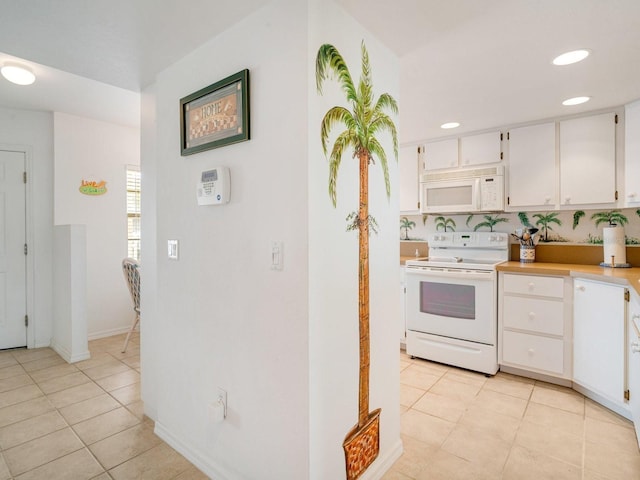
632, 155
535, 325
409, 185
441, 154
480, 149
588, 160
532, 173
599, 347
402, 331
634, 360
463, 152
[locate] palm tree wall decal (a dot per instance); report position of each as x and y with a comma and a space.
365, 120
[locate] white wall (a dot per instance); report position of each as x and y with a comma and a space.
149, 351
223, 318
33, 133
333, 265
86, 149
70, 293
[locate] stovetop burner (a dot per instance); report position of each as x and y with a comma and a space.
465, 251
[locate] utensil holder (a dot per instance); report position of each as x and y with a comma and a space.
527, 253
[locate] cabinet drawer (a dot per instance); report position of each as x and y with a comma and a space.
534, 314
531, 351
534, 285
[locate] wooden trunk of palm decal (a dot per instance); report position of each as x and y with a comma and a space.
362, 443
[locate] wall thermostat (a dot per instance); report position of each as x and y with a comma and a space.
214, 186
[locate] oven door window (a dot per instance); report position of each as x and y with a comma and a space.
448, 300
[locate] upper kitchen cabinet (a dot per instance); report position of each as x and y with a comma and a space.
588, 160
632, 155
479, 149
532, 175
440, 154
409, 188
463, 152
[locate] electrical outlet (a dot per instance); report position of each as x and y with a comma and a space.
222, 396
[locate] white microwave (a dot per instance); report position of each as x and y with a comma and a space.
469, 190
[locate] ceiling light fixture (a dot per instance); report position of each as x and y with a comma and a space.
18, 74
576, 101
450, 125
568, 58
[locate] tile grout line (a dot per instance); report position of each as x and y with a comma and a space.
68, 425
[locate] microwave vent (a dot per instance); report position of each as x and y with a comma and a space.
461, 174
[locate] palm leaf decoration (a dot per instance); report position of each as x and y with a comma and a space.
407, 225
545, 220
612, 217
445, 223
524, 219
363, 120
489, 222
577, 215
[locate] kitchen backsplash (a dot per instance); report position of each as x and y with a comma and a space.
573, 226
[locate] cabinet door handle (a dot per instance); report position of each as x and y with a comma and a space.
635, 347
532, 315
580, 288
531, 351
531, 285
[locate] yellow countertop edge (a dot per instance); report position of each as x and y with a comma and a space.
620, 276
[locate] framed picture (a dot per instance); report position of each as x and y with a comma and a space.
215, 116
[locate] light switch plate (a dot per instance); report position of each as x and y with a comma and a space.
172, 249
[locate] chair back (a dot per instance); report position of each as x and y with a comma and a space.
130, 268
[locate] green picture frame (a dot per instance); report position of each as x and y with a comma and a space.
216, 115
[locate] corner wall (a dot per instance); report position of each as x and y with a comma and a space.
223, 317
92, 150
333, 263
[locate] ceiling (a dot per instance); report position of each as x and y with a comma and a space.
483, 63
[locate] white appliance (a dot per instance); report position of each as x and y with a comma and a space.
452, 300
467, 190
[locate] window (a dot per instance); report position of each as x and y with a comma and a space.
133, 212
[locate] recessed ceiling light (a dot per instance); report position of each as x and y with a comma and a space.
571, 57
450, 125
576, 100
18, 74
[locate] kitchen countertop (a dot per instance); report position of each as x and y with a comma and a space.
621, 276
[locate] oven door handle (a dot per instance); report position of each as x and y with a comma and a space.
438, 273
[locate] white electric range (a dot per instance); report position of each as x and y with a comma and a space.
452, 300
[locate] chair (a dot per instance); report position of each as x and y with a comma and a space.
130, 268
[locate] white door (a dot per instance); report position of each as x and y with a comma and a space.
599, 339
13, 304
532, 166
588, 160
452, 304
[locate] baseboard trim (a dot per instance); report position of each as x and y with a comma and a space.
67, 355
382, 464
195, 457
108, 333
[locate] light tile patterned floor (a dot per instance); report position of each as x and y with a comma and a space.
85, 421
461, 425
82, 421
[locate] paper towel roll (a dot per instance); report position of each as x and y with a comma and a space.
613, 240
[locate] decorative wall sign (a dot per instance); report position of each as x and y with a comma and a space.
93, 188
215, 116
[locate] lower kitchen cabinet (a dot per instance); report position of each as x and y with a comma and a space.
633, 340
599, 346
534, 325
402, 330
